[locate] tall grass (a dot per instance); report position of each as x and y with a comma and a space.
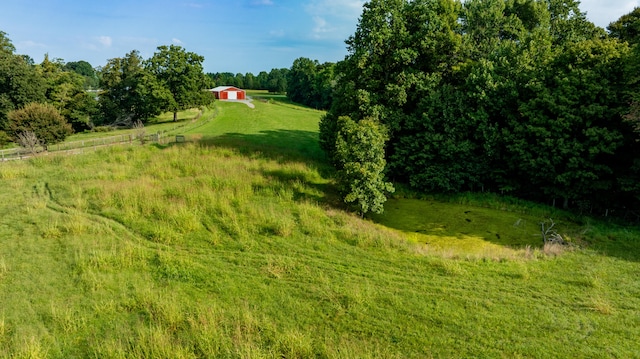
235, 247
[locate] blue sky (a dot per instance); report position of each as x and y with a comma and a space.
232, 35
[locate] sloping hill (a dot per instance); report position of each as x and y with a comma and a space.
235, 246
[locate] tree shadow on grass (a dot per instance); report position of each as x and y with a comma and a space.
465, 226
286, 146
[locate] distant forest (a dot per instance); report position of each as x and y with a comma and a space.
273, 81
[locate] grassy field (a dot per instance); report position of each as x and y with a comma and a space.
234, 245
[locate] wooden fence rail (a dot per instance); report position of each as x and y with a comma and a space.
163, 137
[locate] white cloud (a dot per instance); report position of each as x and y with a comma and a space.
30, 45
321, 28
334, 19
176, 41
105, 41
345, 9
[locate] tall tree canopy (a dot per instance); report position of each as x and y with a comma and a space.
84, 69
66, 91
181, 73
131, 92
20, 83
524, 97
627, 27
310, 83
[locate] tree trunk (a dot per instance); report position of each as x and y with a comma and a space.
175, 116
565, 205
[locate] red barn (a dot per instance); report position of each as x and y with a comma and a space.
229, 93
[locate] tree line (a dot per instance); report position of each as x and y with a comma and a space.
41, 104
520, 97
274, 81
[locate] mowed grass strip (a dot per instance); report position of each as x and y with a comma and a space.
233, 247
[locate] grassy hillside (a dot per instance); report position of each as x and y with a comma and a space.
235, 247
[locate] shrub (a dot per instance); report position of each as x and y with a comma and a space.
43, 120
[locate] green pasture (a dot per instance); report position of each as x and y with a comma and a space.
163, 123
234, 245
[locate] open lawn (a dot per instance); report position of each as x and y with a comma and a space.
233, 245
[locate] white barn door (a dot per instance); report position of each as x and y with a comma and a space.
233, 95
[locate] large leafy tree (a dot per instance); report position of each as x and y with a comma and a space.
311, 83
131, 92
276, 80
84, 69
566, 143
181, 73
66, 91
262, 80
401, 51
300, 80
20, 83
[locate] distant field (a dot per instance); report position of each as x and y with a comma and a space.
287, 127
234, 245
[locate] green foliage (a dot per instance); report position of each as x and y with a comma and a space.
524, 97
145, 252
310, 83
276, 81
44, 120
84, 69
360, 157
5, 44
131, 92
20, 84
627, 27
65, 90
181, 73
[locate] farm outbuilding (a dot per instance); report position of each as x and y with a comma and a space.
229, 93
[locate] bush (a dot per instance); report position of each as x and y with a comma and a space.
43, 120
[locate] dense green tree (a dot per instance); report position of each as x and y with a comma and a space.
66, 91
517, 96
310, 83
84, 69
20, 83
566, 143
627, 27
240, 80
401, 51
43, 120
131, 92
360, 155
277, 81
181, 73
250, 81
262, 80
301, 81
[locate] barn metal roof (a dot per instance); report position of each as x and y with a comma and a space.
223, 88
